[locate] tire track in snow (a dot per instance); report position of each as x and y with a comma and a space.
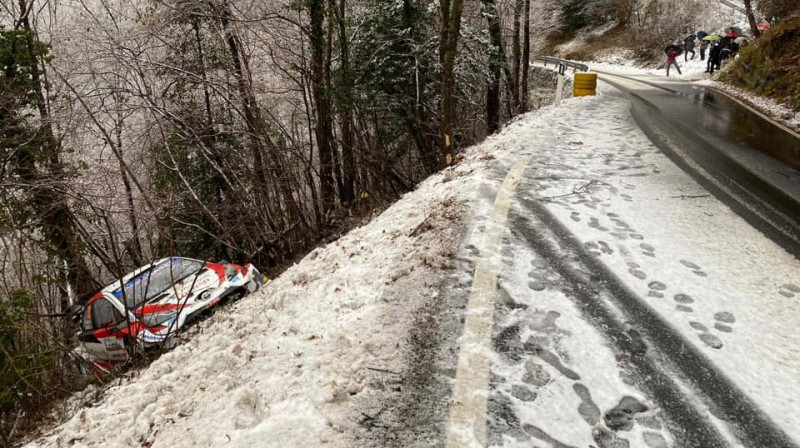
608, 303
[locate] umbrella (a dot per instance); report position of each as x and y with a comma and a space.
763, 26
691, 37
701, 34
734, 30
712, 37
672, 47
741, 40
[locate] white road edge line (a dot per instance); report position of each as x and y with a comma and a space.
469, 405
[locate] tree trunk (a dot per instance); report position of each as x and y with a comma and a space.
347, 193
321, 98
134, 244
515, 54
56, 217
495, 65
259, 130
336, 159
526, 57
419, 124
752, 19
450, 29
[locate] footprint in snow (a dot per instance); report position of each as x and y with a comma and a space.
699, 327
724, 320
655, 440
539, 263
595, 224
537, 286
638, 274
789, 290
655, 289
592, 247
648, 250
646, 247
711, 340
621, 225
706, 336
587, 409
523, 393
575, 216
621, 417
696, 270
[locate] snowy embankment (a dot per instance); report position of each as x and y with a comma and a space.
286, 366
290, 365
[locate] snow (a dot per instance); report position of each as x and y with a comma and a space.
284, 367
290, 365
675, 233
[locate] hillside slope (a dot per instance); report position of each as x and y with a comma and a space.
769, 66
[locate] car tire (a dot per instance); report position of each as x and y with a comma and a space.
252, 286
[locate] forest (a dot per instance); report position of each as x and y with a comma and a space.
247, 131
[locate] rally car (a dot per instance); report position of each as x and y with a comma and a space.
152, 303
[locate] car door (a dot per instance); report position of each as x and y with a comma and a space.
101, 334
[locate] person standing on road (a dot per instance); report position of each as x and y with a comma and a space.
688, 46
714, 58
671, 55
703, 47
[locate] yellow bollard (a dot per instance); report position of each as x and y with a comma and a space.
585, 84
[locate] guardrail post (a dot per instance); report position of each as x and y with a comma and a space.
560, 84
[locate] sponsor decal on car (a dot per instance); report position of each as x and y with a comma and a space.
112, 344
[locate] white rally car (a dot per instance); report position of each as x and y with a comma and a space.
155, 301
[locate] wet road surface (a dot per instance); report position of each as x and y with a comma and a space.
745, 160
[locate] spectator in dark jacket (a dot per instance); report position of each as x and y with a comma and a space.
688, 46
714, 60
703, 47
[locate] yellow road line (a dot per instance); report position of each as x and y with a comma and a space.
468, 409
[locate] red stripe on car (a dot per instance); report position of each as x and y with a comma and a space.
157, 308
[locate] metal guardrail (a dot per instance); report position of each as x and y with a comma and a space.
742, 10
575, 66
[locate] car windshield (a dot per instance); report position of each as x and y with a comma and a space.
157, 279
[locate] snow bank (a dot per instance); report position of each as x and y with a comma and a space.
285, 366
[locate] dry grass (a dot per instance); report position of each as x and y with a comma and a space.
769, 67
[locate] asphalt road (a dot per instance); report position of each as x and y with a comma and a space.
745, 160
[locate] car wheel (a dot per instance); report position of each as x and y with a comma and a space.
252, 286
